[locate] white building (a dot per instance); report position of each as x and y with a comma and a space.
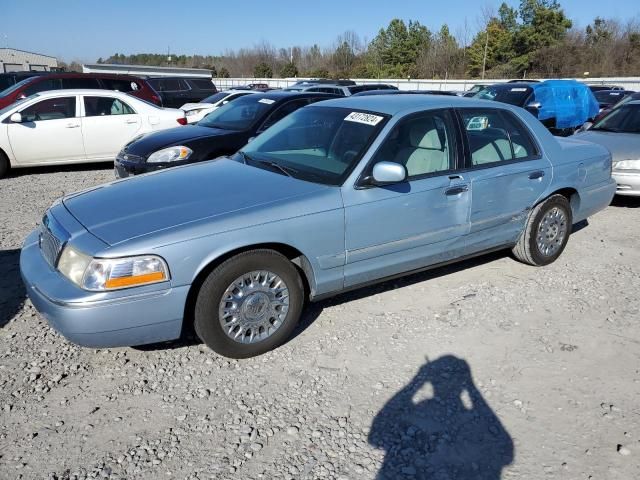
14, 60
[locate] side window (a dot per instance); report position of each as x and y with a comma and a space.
68, 83
171, 85
283, 111
202, 84
424, 144
42, 86
495, 136
121, 85
50, 109
101, 106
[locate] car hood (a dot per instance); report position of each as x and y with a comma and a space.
623, 146
152, 142
177, 197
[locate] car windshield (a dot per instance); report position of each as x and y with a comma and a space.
216, 97
609, 97
318, 144
625, 119
628, 98
13, 88
16, 103
511, 95
240, 114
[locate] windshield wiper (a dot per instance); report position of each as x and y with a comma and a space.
288, 171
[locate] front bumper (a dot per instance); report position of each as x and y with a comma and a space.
628, 183
128, 168
124, 318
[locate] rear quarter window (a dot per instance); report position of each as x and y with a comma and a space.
120, 84
202, 84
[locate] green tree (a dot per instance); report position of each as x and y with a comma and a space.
223, 73
394, 50
262, 70
289, 70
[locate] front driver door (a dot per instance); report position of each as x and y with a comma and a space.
508, 175
50, 132
423, 221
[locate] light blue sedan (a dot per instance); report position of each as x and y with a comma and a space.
335, 196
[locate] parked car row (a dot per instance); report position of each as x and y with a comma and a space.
222, 132
75, 126
329, 196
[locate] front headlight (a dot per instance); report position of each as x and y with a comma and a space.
627, 165
171, 154
101, 274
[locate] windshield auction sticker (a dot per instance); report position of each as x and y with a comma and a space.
366, 118
268, 101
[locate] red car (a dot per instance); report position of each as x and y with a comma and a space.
61, 81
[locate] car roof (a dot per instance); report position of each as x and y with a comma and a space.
397, 103
160, 77
282, 94
83, 91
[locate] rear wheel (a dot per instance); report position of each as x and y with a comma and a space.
546, 232
249, 305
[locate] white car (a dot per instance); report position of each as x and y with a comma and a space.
197, 111
76, 126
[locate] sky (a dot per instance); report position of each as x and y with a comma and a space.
85, 30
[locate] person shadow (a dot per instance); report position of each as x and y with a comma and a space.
440, 427
12, 291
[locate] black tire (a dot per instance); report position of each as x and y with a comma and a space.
527, 249
4, 164
206, 313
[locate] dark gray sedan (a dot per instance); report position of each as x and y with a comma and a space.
620, 133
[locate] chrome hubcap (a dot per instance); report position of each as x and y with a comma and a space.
254, 306
551, 231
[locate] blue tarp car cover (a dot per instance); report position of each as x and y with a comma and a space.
570, 102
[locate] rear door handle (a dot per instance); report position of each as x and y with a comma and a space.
458, 189
73, 125
536, 175
132, 121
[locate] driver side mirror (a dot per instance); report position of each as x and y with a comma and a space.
16, 117
387, 173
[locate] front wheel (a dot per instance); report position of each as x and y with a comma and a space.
249, 305
546, 232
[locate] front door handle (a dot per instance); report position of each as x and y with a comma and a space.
73, 125
536, 175
458, 189
132, 121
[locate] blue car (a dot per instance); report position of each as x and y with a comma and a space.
337, 195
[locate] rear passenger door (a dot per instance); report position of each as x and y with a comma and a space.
107, 124
507, 172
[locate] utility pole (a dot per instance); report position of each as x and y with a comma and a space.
484, 58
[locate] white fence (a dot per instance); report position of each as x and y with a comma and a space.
629, 83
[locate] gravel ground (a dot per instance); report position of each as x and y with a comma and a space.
487, 369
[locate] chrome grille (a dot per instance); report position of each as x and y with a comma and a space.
50, 246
